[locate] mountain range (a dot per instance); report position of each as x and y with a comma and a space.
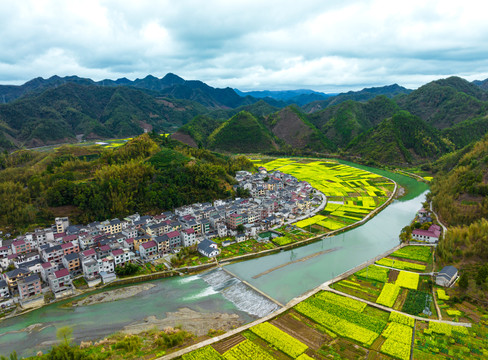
389, 124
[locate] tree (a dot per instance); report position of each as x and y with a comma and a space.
463, 281
482, 274
64, 334
406, 234
240, 228
13, 356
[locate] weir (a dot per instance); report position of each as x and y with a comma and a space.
244, 296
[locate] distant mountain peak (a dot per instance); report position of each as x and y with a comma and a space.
172, 79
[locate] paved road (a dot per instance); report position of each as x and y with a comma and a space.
444, 229
306, 216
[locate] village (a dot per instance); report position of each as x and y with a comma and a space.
41, 266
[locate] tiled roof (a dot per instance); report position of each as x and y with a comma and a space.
61, 273
149, 244
117, 252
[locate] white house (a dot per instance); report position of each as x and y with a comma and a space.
431, 235
208, 248
107, 264
120, 256
148, 249
4, 293
188, 237
446, 276
91, 270
60, 280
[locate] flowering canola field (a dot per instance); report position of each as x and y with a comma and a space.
352, 193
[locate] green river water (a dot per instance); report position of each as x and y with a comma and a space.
95, 321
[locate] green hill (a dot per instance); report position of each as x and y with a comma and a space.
401, 139
293, 128
242, 133
467, 131
460, 187
342, 123
444, 103
196, 132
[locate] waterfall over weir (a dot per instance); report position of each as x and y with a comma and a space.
242, 296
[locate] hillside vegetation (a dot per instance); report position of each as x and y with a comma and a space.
403, 138
59, 114
241, 133
148, 174
445, 102
461, 184
449, 114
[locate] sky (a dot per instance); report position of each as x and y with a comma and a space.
328, 46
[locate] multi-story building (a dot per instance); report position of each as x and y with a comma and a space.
113, 226
107, 264
29, 286
47, 269
163, 244
4, 292
234, 220
70, 248
60, 280
53, 254
148, 249
188, 237
72, 263
21, 246
62, 224
120, 256
140, 240
174, 239
13, 276
91, 269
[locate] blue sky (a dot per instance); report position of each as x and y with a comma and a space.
328, 46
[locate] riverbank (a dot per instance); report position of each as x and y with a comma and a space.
189, 320
111, 295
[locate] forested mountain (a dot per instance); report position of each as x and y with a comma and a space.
364, 95
401, 139
343, 122
170, 85
482, 84
292, 127
58, 109
459, 195
417, 127
60, 113
298, 97
444, 103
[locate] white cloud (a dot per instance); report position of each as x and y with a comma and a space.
325, 45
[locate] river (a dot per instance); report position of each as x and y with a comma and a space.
213, 292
